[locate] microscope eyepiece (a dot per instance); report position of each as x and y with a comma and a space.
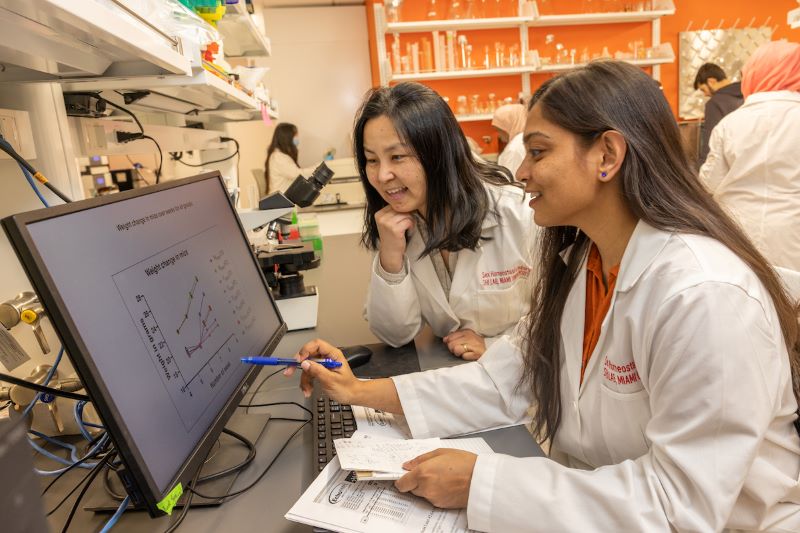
304, 191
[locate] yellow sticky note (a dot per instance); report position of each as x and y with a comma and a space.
169, 501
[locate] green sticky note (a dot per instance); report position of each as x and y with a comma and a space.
169, 501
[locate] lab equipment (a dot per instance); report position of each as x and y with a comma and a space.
177, 296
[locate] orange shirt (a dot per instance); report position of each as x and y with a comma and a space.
598, 300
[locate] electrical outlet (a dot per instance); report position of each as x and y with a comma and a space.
16, 129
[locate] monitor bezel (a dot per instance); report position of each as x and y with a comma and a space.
140, 484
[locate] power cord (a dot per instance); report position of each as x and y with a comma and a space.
177, 156
235, 493
254, 393
41, 388
88, 482
160, 156
270, 404
127, 136
38, 176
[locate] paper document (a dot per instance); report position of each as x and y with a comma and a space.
384, 458
337, 501
380, 424
382, 455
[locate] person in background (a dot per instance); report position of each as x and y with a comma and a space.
281, 167
451, 232
724, 96
509, 121
753, 167
661, 355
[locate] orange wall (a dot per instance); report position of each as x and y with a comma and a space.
615, 36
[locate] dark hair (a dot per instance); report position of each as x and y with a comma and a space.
660, 187
708, 70
457, 201
283, 140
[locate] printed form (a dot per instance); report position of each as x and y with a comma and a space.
337, 501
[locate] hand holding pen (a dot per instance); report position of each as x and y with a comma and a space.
339, 384
279, 361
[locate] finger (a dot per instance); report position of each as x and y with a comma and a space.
407, 483
471, 356
306, 384
418, 460
318, 347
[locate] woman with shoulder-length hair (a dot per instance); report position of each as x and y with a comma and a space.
661, 354
281, 167
451, 232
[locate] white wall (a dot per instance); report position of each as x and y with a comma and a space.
44, 102
319, 73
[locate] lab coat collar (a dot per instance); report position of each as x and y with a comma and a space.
645, 244
770, 96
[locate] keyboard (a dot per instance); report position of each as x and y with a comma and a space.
332, 420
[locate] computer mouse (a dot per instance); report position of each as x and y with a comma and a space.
356, 355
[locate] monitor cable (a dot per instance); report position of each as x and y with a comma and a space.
235, 493
258, 388
87, 482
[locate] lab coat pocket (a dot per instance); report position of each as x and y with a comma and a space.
499, 309
625, 416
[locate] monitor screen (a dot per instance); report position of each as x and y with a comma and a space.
156, 295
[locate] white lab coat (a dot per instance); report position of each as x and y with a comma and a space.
283, 171
513, 154
683, 421
753, 170
490, 285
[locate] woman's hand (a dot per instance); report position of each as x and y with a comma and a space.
466, 344
392, 227
338, 383
442, 477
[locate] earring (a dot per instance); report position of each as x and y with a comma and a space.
603, 174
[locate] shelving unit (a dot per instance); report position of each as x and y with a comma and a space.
241, 35
203, 90
661, 9
53, 40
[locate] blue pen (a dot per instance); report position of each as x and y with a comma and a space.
277, 361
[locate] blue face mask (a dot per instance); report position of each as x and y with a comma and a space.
296, 141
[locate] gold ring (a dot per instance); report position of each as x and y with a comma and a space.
464, 345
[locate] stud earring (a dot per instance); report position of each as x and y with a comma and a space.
603, 174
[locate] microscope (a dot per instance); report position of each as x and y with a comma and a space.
282, 262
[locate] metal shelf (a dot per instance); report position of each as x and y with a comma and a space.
460, 24
461, 74
203, 90
664, 9
240, 34
474, 118
52, 40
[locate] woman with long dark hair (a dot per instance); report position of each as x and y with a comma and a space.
281, 167
451, 233
661, 355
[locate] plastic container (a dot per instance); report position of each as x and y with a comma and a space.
309, 232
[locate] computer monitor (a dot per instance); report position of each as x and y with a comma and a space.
155, 295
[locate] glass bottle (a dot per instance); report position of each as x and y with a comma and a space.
456, 10
432, 11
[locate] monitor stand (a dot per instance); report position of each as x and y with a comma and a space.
227, 453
